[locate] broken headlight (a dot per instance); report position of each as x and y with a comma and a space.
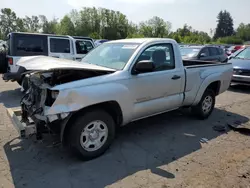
54, 94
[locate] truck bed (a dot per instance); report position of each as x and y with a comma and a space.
198, 71
195, 63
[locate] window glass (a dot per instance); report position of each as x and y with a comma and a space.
245, 54
111, 55
205, 51
213, 51
59, 45
190, 52
221, 51
83, 47
162, 56
30, 44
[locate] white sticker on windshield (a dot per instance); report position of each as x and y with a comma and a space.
129, 46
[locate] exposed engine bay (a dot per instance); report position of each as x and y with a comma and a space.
57, 77
39, 97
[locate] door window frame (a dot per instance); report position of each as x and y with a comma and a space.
135, 61
60, 38
210, 51
203, 52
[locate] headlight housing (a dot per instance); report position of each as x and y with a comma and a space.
54, 94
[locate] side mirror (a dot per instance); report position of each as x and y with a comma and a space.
143, 67
203, 55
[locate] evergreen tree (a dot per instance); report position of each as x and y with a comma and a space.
225, 25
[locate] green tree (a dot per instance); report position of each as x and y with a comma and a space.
66, 26
185, 31
229, 40
187, 34
20, 25
225, 25
31, 24
155, 27
8, 22
49, 27
243, 32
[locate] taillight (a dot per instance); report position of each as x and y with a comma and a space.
10, 60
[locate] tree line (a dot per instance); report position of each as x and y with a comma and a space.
101, 23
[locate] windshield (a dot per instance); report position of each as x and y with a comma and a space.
111, 55
244, 54
189, 51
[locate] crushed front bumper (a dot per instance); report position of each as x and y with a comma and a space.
24, 130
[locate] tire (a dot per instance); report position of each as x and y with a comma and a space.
80, 138
200, 111
3, 62
24, 84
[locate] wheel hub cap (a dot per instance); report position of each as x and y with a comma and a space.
94, 135
207, 104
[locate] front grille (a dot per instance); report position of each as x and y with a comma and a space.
37, 95
242, 72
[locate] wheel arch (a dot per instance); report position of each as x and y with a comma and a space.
214, 84
111, 107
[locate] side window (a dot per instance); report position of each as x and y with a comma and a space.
59, 45
30, 45
83, 47
213, 51
205, 51
222, 51
162, 56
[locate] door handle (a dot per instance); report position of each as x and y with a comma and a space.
176, 77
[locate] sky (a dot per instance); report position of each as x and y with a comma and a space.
200, 14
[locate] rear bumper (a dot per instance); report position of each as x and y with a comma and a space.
11, 76
238, 79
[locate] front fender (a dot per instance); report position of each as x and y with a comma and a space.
74, 99
206, 82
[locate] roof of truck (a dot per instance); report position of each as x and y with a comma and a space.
54, 35
139, 40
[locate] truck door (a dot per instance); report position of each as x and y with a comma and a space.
60, 47
81, 48
160, 90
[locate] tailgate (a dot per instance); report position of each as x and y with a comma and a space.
12, 63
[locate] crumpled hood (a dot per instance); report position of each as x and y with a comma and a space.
40, 63
240, 63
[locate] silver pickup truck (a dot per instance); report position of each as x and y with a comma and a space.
116, 83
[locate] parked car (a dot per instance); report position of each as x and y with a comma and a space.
33, 44
98, 42
206, 53
241, 67
117, 83
233, 49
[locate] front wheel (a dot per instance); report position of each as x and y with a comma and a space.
24, 83
206, 105
91, 134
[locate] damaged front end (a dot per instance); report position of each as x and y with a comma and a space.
40, 97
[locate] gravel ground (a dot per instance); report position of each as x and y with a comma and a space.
170, 150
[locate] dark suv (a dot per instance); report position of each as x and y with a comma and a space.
206, 53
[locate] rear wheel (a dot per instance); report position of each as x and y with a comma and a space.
92, 134
206, 105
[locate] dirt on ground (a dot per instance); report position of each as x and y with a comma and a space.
170, 150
